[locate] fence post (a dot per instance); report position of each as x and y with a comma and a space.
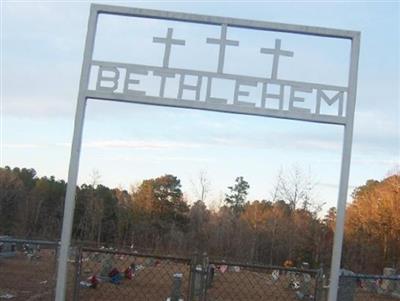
388, 286
204, 277
176, 287
198, 277
192, 277
78, 269
53, 292
319, 286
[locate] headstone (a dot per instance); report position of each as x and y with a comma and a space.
347, 286
292, 280
369, 286
106, 265
397, 289
305, 284
322, 287
198, 280
234, 268
388, 286
176, 287
275, 275
148, 262
210, 276
7, 249
6, 296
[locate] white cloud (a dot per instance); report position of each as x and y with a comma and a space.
161, 159
22, 145
375, 161
281, 141
136, 144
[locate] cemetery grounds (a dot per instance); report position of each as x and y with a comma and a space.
25, 277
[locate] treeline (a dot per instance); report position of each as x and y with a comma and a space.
156, 217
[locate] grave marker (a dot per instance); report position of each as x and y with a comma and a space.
176, 287
388, 286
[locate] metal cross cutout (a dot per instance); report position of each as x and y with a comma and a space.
276, 52
223, 42
168, 41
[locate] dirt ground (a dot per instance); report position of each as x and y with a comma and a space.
27, 279
34, 280
155, 284
30, 280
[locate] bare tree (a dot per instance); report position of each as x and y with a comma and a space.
133, 187
275, 190
295, 187
94, 209
201, 186
95, 177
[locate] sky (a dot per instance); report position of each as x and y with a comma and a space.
41, 55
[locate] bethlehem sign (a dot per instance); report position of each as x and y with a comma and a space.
198, 89
109, 80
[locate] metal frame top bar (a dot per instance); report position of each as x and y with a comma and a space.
30, 241
265, 267
161, 257
372, 277
215, 20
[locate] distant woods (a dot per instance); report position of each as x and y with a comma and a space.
156, 217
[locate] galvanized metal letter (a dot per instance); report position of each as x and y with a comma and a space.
330, 101
129, 81
102, 77
238, 92
294, 99
265, 95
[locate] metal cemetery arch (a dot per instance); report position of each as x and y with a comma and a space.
344, 117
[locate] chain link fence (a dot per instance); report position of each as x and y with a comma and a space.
27, 269
228, 281
114, 275
360, 287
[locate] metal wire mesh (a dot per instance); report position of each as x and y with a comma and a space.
252, 282
27, 269
369, 288
112, 275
